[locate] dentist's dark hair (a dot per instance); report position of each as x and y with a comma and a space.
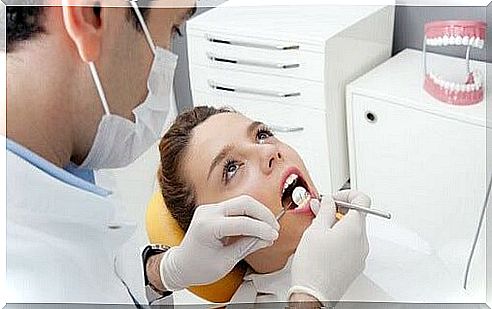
27, 22
178, 193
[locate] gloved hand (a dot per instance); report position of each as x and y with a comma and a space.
328, 257
203, 257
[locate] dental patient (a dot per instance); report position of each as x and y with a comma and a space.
211, 155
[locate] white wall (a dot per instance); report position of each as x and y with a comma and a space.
182, 80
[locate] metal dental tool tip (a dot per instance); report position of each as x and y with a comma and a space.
284, 210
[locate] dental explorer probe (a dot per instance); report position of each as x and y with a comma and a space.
284, 210
301, 196
371, 211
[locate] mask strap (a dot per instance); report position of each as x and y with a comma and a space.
143, 24
100, 90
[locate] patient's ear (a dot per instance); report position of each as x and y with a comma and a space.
84, 26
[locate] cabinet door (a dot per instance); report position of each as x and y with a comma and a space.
427, 170
301, 128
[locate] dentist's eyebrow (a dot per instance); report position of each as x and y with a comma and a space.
220, 157
188, 14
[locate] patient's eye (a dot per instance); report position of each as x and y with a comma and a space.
230, 169
263, 133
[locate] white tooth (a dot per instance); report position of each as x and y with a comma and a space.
479, 81
447, 85
468, 88
291, 179
458, 40
472, 41
466, 39
481, 43
428, 41
462, 87
439, 41
477, 41
455, 86
445, 40
452, 39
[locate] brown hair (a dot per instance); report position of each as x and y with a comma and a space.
177, 192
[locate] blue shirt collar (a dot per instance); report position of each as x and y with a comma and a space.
71, 174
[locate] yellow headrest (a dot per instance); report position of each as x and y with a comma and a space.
163, 229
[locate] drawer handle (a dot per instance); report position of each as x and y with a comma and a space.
267, 93
273, 65
251, 44
281, 129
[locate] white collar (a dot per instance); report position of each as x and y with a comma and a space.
276, 283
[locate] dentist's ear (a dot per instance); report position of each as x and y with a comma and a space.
84, 27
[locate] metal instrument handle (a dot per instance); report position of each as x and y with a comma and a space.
264, 64
236, 42
268, 93
372, 211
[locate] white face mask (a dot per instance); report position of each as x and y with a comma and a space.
119, 141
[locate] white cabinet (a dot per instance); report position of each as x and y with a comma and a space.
422, 160
288, 66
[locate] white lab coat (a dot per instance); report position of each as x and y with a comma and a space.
62, 243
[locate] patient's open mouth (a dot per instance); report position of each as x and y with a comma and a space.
292, 179
470, 34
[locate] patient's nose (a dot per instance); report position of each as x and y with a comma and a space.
270, 158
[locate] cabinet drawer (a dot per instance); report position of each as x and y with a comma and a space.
288, 91
302, 129
288, 60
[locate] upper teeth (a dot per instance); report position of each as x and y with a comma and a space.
289, 181
477, 77
446, 40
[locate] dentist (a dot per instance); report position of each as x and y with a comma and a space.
88, 87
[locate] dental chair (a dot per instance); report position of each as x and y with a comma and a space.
163, 229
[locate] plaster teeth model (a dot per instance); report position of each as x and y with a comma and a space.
455, 33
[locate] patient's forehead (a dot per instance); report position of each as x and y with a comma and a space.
220, 130
209, 138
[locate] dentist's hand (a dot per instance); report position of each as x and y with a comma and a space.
202, 257
328, 257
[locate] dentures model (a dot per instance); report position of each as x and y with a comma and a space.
463, 33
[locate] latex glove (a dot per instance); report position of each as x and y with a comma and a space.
328, 257
202, 257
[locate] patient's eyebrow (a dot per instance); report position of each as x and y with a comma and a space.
220, 157
253, 126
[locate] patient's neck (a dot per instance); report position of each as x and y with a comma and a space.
267, 261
